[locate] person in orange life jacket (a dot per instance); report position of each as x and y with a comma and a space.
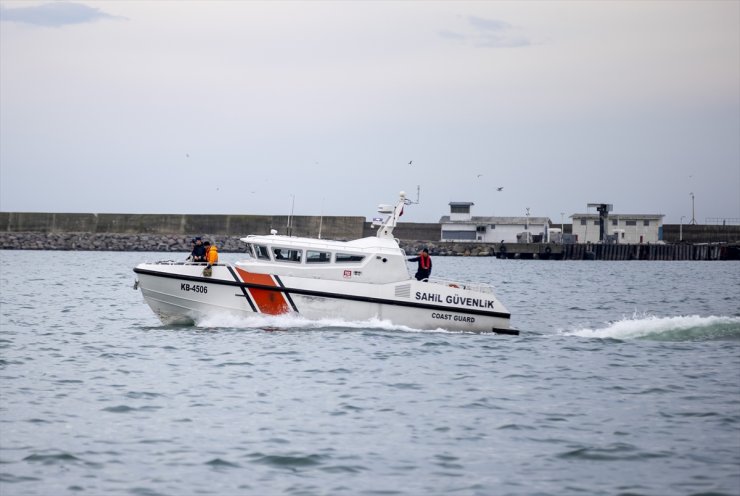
211, 253
425, 265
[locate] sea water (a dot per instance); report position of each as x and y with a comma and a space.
625, 379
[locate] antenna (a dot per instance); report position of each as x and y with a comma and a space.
321, 218
290, 217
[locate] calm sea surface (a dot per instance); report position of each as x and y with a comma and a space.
625, 380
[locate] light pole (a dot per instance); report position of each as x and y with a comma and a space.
680, 229
693, 217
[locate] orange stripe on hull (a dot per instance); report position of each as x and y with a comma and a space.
268, 301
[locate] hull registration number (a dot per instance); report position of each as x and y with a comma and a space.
195, 288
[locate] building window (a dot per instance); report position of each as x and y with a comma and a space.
480, 229
583, 222
493, 226
460, 209
615, 222
596, 222
645, 222
462, 235
631, 223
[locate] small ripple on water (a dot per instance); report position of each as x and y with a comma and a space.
288, 461
220, 462
55, 458
12, 479
612, 452
127, 409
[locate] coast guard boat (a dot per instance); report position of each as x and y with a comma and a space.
354, 280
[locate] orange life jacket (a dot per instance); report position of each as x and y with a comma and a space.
212, 255
425, 262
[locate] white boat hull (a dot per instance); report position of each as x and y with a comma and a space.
179, 293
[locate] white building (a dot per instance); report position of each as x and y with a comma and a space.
629, 228
460, 225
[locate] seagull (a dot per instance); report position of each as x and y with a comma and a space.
500, 188
479, 176
187, 155
410, 162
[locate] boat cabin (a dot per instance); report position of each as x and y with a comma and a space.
370, 260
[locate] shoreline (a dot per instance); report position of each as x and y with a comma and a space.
178, 243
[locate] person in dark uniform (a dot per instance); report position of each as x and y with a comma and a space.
199, 251
425, 265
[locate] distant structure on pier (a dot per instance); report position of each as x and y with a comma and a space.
619, 228
460, 225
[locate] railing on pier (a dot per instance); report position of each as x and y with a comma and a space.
643, 252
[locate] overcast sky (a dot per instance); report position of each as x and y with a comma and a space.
238, 107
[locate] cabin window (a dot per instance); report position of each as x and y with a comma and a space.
262, 252
287, 255
318, 256
348, 257
631, 223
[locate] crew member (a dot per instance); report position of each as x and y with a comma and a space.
211, 253
192, 247
199, 251
425, 265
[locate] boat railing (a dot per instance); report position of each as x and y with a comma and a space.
481, 287
174, 262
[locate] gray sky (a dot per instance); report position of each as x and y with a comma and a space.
234, 107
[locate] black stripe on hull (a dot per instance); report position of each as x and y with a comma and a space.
322, 294
287, 293
244, 289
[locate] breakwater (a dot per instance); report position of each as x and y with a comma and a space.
232, 244
172, 233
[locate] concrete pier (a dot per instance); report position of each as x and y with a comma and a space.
172, 233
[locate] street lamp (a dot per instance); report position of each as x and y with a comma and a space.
562, 223
693, 217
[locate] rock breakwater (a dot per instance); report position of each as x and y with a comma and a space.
84, 241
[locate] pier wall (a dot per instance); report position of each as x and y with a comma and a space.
172, 233
703, 233
183, 224
410, 231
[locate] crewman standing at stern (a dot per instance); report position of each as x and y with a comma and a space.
425, 265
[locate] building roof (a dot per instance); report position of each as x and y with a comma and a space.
497, 220
620, 216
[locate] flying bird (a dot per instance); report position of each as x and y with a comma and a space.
479, 176
410, 162
500, 188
